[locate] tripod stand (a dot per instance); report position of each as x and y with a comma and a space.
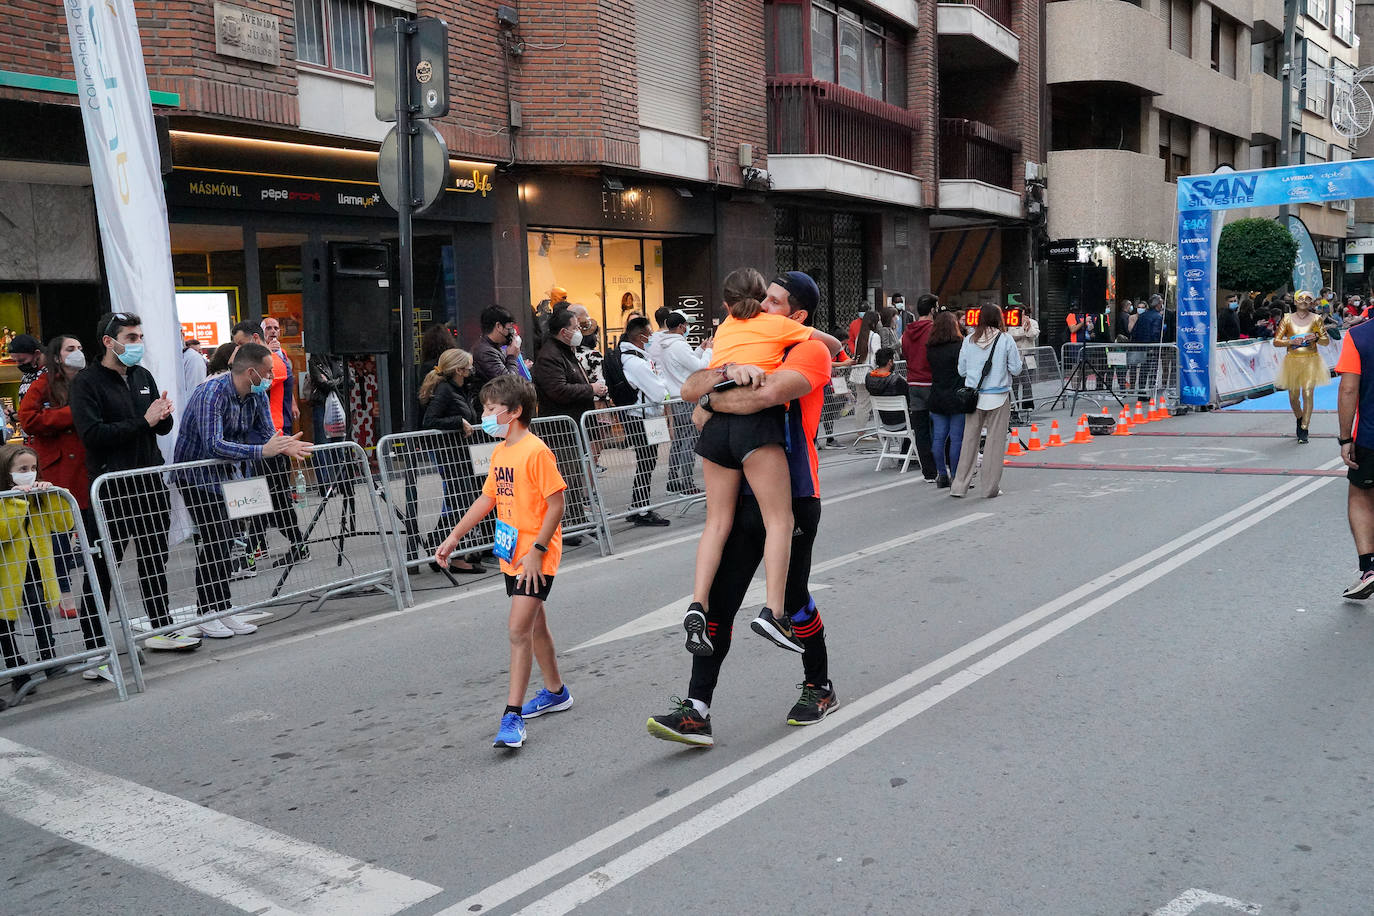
1079, 375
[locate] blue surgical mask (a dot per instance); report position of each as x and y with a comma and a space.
492, 428
1233, 305
262, 386
132, 355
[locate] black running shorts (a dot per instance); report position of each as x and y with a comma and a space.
529, 589
1362, 476
728, 438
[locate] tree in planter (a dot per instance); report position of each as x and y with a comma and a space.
1255, 254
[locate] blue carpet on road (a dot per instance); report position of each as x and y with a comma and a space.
1326, 400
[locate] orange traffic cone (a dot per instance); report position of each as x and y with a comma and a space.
1123, 423
1161, 412
1034, 444
1054, 441
1083, 434
1140, 418
1014, 443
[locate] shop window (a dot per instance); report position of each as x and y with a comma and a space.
208, 266
613, 278
335, 35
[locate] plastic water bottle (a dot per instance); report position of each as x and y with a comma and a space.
299, 493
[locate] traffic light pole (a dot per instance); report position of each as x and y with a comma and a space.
405, 232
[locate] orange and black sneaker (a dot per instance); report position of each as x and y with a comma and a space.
684, 725
814, 705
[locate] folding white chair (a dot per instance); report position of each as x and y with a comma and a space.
893, 437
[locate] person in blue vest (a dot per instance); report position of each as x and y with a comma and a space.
1356, 401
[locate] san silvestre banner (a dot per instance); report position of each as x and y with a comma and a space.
127, 179
1199, 197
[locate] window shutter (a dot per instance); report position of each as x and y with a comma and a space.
1181, 27
668, 56
1228, 49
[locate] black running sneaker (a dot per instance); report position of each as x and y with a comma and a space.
684, 725
814, 705
694, 622
778, 632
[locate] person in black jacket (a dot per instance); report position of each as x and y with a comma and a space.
564, 390
946, 417
119, 413
448, 398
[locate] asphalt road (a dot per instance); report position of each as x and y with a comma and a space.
1106, 692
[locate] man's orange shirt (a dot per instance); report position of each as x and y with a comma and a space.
275, 399
758, 341
522, 478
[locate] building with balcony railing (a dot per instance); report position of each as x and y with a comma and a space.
1141, 93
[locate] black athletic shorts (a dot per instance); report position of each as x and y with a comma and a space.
1362, 476
529, 589
728, 438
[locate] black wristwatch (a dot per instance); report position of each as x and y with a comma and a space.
704, 402
540, 547
1340, 441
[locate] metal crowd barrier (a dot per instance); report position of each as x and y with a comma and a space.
46, 561
264, 533
1037, 385
1120, 372
848, 408
644, 456
428, 479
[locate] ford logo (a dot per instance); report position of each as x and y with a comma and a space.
1192, 346
1194, 274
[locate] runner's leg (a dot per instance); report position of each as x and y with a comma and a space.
739, 560
523, 612
806, 619
544, 652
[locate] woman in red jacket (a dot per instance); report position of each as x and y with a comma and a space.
46, 417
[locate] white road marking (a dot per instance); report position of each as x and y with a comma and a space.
1193, 898
670, 615
672, 841
244, 865
550, 867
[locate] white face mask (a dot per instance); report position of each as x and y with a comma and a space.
576, 340
75, 360
24, 478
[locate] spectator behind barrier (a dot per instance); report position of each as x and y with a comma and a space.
946, 418
448, 398
497, 351
650, 389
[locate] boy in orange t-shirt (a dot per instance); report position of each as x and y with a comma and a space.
526, 490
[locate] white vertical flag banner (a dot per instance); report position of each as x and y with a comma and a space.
127, 177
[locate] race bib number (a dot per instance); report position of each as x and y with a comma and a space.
506, 536
656, 430
481, 456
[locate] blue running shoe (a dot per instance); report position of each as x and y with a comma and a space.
512, 733
544, 701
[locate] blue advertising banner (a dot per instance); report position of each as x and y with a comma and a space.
1292, 184
1196, 257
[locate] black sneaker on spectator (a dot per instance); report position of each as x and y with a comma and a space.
649, 519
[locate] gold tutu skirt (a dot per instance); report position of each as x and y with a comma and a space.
1302, 369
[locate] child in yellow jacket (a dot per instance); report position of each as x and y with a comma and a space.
27, 524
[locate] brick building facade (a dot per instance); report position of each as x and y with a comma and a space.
631, 152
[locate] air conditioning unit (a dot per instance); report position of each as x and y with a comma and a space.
1035, 171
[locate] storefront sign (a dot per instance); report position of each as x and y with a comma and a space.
587, 203
1330, 249
698, 324
1359, 246
265, 193
204, 315
1062, 250
1354, 263
247, 34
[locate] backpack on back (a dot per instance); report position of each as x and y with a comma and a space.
622, 392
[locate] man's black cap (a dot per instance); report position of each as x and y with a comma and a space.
803, 290
25, 343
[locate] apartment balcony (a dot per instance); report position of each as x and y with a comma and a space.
811, 117
977, 35
1108, 193
977, 168
1123, 44
1266, 108
1268, 20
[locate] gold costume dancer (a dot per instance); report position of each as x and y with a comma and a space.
1303, 370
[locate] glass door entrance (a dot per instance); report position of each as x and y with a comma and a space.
613, 278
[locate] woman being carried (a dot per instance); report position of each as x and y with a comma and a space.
751, 445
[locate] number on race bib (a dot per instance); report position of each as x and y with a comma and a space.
506, 536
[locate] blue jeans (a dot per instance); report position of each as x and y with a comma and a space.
947, 428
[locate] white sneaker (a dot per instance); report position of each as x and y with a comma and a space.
238, 625
176, 642
215, 629
95, 674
